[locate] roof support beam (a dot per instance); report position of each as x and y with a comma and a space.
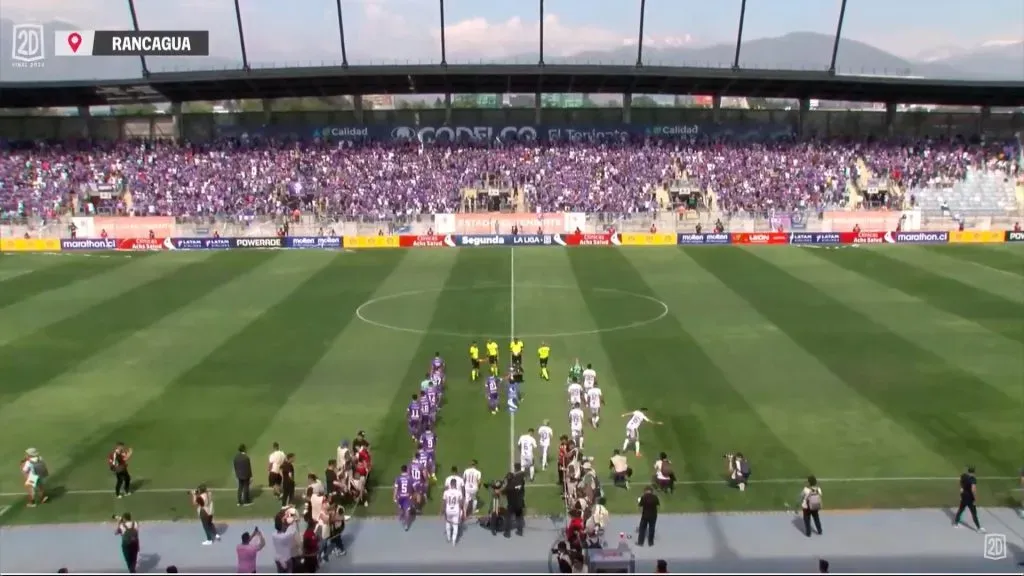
640, 36
444, 46
839, 33
540, 59
135, 24
739, 35
241, 36
341, 35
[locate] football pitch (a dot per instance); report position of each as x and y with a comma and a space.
882, 370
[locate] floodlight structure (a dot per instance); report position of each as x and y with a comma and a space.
241, 36
135, 25
839, 32
341, 35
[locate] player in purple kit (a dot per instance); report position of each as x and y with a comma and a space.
414, 415
419, 482
403, 495
433, 397
428, 440
426, 413
426, 459
492, 388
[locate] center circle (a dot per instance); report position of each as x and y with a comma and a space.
658, 310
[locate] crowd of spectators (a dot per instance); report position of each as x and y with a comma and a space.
252, 177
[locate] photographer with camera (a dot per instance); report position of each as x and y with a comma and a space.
202, 499
248, 550
738, 469
128, 530
515, 500
287, 553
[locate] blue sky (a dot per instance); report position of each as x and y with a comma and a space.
390, 31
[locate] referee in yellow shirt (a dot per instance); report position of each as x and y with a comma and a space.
474, 361
543, 353
516, 348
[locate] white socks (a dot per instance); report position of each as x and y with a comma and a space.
451, 531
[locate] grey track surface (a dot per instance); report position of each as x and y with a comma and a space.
865, 542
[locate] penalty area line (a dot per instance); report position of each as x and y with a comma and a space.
891, 479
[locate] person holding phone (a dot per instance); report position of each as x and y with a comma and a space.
248, 550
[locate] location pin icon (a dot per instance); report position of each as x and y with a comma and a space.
74, 41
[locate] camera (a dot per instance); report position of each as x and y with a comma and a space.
495, 485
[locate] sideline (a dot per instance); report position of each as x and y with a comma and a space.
554, 485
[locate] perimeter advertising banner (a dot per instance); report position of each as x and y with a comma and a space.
133, 226
312, 242
917, 237
88, 244
426, 241
198, 243
1015, 236
371, 242
862, 237
815, 238
29, 245
588, 240
257, 242
629, 239
696, 239
140, 244
760, 238
977, 237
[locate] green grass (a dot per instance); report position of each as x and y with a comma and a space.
883, 370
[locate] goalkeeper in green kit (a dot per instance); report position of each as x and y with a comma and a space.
576, 371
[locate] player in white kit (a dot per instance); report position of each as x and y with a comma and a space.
636, 418
472, 477
527, 444
589, 378
453, 510
544, 436
454, 477
576, 425
595, 400
575, 392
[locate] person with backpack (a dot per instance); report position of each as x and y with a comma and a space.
810, 505
128, 530
36, 473
739, 470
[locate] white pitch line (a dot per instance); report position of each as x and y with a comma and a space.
551, 485
512, 333
4, 510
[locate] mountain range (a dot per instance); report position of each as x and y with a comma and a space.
797, 50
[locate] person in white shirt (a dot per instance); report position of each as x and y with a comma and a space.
595, 400
575, 393
589, 377
473, 477
453, 509
527, 444
454, 477
544, 436
274, 462
636, 418
576, 425
35, 471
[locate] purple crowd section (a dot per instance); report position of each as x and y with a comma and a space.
240, 178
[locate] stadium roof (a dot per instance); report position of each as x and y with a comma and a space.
801, 48
355, 80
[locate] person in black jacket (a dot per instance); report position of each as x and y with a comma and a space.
648, 503
515, 501
968, 496
243, 473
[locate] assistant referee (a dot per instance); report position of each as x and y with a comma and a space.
516, 349
543, 353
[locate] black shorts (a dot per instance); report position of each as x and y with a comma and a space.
274, 479
517, 358
543, 362
475, 363
492, 359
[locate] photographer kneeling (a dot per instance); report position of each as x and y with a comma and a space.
738, 469
621, 472
202, 499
